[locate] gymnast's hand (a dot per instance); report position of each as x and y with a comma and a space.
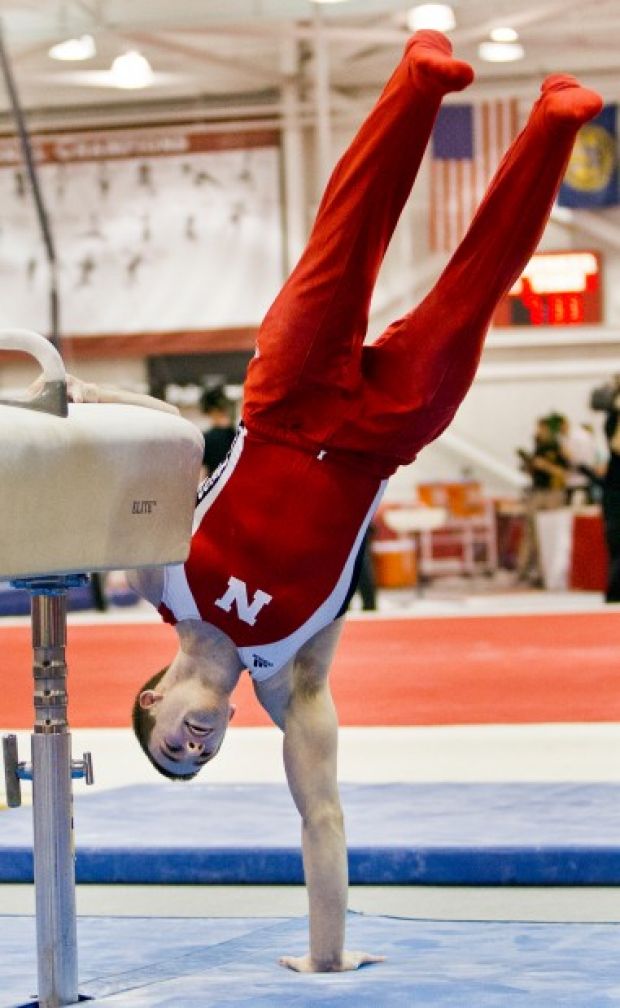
348, 961
79, 391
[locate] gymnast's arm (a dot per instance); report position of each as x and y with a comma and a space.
80, 391
310, 742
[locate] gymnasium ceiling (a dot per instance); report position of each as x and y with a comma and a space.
229, 57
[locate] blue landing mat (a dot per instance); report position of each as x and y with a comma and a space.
148, 964
459, 834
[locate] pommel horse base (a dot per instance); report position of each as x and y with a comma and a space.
51, 771
93, 463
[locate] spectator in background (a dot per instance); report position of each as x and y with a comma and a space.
579, 447
607, 399
221, 432
547, 468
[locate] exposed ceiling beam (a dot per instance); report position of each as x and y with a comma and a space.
92, 10
539, 12
202, 56
300, 31
22, 55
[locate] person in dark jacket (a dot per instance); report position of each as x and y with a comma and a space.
221, 434
611, 494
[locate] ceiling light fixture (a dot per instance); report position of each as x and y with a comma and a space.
437, 16
503, 35
132, 70
82, 48
500, 52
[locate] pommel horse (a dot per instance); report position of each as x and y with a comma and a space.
83, 487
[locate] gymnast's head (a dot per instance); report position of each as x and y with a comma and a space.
180, 722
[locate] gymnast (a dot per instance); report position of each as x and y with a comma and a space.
326, 420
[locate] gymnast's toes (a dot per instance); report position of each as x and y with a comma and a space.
432, 62
565, 100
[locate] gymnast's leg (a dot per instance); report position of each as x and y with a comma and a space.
421, 368
318, 321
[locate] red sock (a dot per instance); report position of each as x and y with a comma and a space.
431, 60
565, 100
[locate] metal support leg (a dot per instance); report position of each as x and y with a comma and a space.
54, 867
51, 771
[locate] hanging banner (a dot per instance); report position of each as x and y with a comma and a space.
155, 230
591, 178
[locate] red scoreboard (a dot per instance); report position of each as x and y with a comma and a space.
555, 289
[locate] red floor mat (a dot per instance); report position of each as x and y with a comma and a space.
495, 669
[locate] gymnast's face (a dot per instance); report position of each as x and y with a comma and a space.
189, 729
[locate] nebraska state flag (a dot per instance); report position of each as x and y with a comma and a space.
591, 178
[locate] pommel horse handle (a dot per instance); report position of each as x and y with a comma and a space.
53, 396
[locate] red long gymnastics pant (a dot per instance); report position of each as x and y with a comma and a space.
312, 381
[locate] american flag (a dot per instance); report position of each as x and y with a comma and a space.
467, 145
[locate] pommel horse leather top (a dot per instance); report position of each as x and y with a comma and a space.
105, 486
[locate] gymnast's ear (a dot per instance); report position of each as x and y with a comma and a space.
148, 698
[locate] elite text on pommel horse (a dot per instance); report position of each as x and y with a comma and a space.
83, 487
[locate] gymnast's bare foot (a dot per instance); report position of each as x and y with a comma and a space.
564, 100
430, 57
348, 961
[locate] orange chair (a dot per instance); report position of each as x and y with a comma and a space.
468, 538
